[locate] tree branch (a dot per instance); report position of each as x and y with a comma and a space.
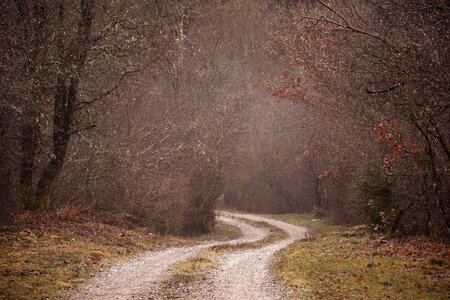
385, 90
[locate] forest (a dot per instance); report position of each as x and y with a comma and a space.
158, 113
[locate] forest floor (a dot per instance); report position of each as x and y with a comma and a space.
354, 263
46, 255
101, 256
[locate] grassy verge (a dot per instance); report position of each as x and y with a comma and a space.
350, 263
316, 226
205, 260
198, 265
221, 232
44, 256
274, 234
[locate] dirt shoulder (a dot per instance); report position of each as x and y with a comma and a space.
43, 256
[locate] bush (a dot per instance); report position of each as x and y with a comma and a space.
204, 188
374, 194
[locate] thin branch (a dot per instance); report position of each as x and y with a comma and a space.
348, 28
122, 78
75, 131
386, 90
335, 12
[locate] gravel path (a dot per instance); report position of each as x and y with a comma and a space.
245, 274
242, 274
140, 277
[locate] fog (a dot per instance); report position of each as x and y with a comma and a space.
157, 109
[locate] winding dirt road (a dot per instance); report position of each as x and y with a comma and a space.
242, 274
245, 274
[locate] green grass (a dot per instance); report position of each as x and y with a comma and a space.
190, 269
316, 226
349, 263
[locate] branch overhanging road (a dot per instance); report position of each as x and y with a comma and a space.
242, 274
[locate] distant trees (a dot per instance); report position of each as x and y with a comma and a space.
154, 113
51, 57
156, 109
67, 66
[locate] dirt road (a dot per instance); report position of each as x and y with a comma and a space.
242, 274
245, 274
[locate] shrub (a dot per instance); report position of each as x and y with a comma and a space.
374, 194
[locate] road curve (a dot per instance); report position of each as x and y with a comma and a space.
141, 276
245, 274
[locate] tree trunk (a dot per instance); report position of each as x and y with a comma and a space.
65, 98
436, 180
319, 198
399, 216
29, 140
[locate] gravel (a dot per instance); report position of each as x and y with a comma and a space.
140, 277
245, 274
242, 274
